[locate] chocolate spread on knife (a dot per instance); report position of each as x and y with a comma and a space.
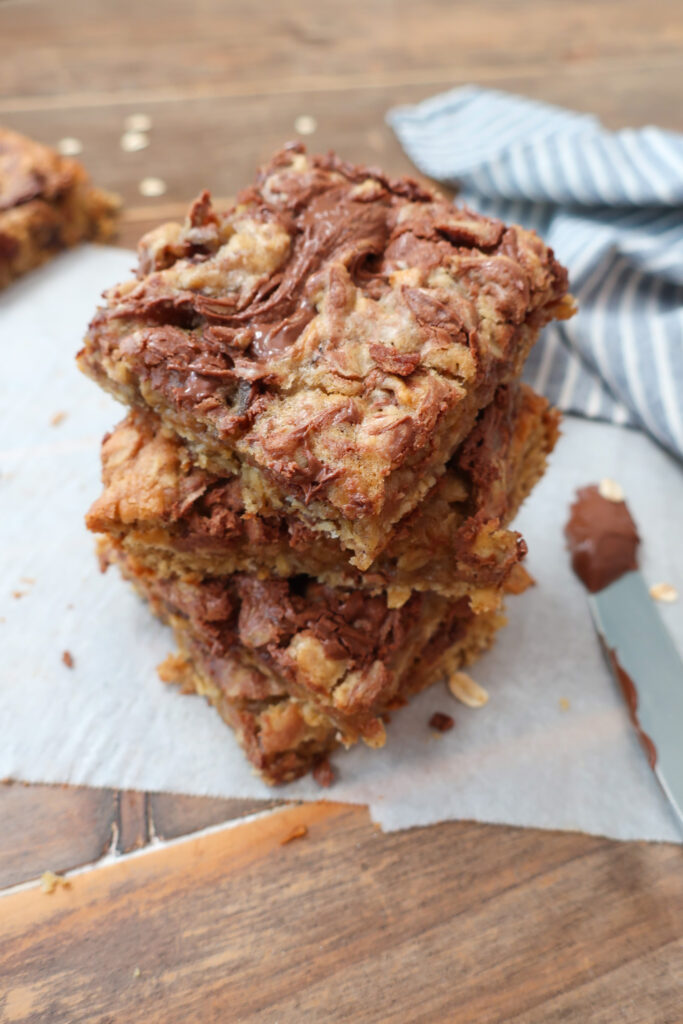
628, 688
603, 539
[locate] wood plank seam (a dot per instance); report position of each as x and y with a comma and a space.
132, 820
52, 827
114, 855
605, 66
155, 845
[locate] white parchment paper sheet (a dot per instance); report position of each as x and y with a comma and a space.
108, 721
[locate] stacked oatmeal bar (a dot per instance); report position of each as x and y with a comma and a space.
326, 445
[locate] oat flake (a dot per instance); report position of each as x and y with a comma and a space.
610, 490
152, 187
464, 689
131, 142
305, 124
69, 146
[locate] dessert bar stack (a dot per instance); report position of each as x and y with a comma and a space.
326, 444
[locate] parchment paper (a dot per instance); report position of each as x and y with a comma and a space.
109, 721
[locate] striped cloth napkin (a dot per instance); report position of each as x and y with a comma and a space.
611, 206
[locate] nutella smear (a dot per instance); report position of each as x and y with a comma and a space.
603, 539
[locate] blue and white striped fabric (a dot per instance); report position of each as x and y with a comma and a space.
611, 206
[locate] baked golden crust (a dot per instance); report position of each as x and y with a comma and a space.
331, 338
47, 203
180, 519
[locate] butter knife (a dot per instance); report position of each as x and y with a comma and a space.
603, 541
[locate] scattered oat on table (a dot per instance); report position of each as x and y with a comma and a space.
69, 146
138, 123
131, 142
49, 881
464, 689
441, 722
68, 659
136, 972
664, 592
152, 187
57, 418
564, 704
298, 832
610, 490
305, 124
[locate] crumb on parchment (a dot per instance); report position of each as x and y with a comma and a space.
68, 659
324, 774
441, 722
57, 418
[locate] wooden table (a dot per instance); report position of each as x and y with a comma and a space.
176, 911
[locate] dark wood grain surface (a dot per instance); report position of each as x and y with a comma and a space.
458, 922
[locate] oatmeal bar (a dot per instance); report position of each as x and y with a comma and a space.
182, 520
343, 654
46, 203
281, 737
330, 339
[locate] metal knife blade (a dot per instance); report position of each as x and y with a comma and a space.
649, 670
